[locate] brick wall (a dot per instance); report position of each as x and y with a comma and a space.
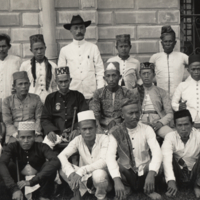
19, 19
142, 19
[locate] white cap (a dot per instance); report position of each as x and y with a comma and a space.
26, 126
86, 115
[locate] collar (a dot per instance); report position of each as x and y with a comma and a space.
148, 88
195, 81
78, 42
15, 97
62, 95
122, 59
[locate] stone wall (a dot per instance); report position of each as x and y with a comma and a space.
142, 19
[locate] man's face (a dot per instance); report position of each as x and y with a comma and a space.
3, 49
26, 139
183, 126
38, 49
88, 129
168, 42
123, 48
112, 78
147, 76
78, 31
63, 82
131, 115
194, 70
22, 86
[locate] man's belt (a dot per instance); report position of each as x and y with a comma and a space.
149, 112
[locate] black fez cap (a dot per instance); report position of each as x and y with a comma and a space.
36, 38
182, 113
147, 65
127, 102
194, 58
167, 30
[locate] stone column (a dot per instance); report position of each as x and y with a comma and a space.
49, 28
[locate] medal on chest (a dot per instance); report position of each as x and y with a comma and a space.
57, 106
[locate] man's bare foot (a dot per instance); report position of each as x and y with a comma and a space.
154, 196
197, 191
169, 194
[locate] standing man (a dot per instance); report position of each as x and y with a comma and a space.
106, 102
133, 141
40, 70
83, 58
8, 65
61, 107
181, 155
156, 105
129, 66
169, 65
92, 170
21, 106
187, 94
28, 163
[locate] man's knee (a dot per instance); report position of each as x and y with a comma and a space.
100, 177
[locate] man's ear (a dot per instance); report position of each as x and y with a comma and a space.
104, 78
175, 43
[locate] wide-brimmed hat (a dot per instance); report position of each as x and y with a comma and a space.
75, 21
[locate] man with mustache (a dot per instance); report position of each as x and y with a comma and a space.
156, 105
169, 65
187, 94
21, 106
106, 102
131, 142
40, 70
181, 155
83, 58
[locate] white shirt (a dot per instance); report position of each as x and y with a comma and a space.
143, 139
90, 161
173, 145
126, 65
169, 69
40, 82
188, 91
85, 64
8, 66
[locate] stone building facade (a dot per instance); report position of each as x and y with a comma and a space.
142, 19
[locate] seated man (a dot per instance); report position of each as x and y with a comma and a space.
106, 102
129, 66
187, 95
92, 172
181, 155
40, 70
21, 106
132, 141
156, 106
24, 163
60, 108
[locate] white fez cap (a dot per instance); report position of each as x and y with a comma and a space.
26, 126
86, 115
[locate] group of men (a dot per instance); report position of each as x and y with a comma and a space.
113, 117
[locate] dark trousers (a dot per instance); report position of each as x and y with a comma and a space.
46, 186
193, 177
132, 180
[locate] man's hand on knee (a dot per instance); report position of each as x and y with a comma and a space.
17, 195
149, 185
119, 188
52, 136
74, 179
172, 188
